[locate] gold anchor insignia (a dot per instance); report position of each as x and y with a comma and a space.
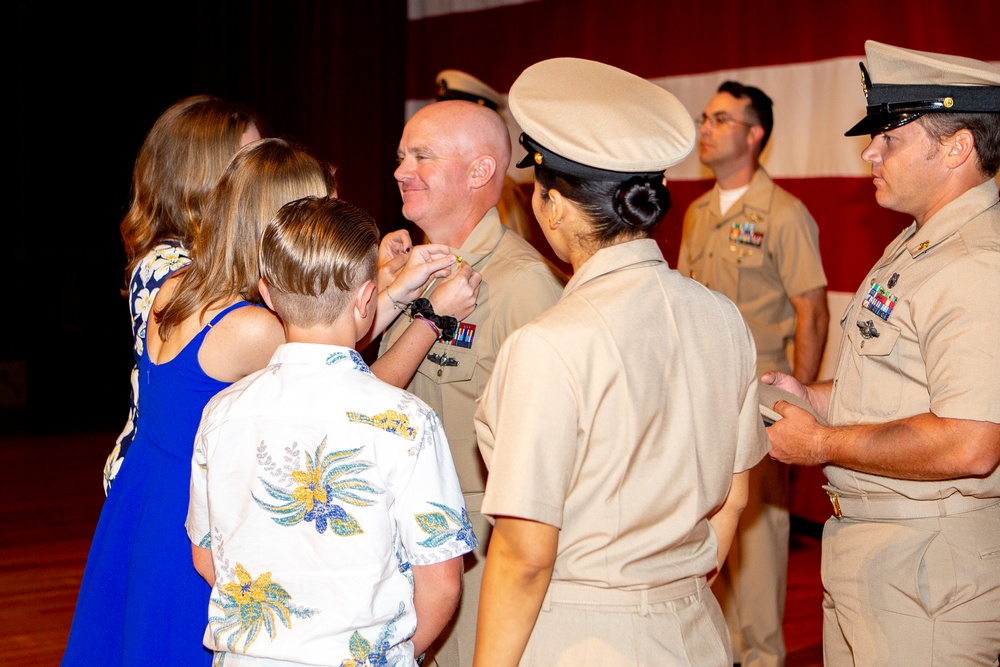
924, 245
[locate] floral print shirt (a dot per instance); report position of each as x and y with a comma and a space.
159, 264
317, 486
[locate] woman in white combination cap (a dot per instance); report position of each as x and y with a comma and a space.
618, 427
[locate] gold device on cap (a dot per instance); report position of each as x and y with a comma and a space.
454, 84
902, 85
589, 119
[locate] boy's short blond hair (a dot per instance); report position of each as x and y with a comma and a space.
314, 254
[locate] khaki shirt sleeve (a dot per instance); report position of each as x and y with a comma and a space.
529, 407
796, 249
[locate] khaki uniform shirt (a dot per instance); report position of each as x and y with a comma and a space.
518, 284
762, 251
929, 341
620, 416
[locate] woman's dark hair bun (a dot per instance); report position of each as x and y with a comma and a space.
642, 201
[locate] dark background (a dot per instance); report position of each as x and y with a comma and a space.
89, 81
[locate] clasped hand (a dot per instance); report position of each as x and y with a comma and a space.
796, 438
407, 271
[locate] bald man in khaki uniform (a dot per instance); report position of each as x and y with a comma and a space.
453, 157
757, 244
910, 557
454, 84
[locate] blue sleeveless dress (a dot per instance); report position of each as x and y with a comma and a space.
141, 601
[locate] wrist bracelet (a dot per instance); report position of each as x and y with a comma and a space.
398, 305
437, 332
446, 324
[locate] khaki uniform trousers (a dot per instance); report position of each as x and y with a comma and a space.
676, 625
912, 592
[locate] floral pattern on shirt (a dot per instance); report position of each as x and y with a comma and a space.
280, 487
366, 654
352, 356
250, 605
389, 421
324, 479
436, 525
402, 564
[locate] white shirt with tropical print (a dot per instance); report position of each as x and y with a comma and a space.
317, 486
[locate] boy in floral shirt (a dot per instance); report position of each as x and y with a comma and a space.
325, 508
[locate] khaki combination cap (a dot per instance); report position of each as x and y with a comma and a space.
454, 84
593, 120
902, 85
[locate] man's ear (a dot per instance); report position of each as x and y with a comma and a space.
364, 299
481, 171
755, 135
264, 293
960, 148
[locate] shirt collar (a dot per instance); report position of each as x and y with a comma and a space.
615, 258
952, 217
483, 240
342, 358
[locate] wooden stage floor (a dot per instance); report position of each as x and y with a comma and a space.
52, 498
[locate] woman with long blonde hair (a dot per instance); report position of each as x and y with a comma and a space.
178, 165
141, 601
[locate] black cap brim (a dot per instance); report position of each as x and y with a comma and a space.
539, 155
875, 123
450, 94
893, 105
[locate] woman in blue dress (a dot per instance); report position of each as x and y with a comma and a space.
141, 601
178, 166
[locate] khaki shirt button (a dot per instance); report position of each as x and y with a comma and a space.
440, 372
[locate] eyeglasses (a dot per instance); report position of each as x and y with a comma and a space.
719, 119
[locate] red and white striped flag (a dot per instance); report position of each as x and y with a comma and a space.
804, 55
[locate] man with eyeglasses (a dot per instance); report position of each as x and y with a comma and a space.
911, 555
757, 244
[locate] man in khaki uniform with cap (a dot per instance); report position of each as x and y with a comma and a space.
911, 557
757, 244
452, 158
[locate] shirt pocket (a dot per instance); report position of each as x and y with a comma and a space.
877, 359
744, 257
446, 363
